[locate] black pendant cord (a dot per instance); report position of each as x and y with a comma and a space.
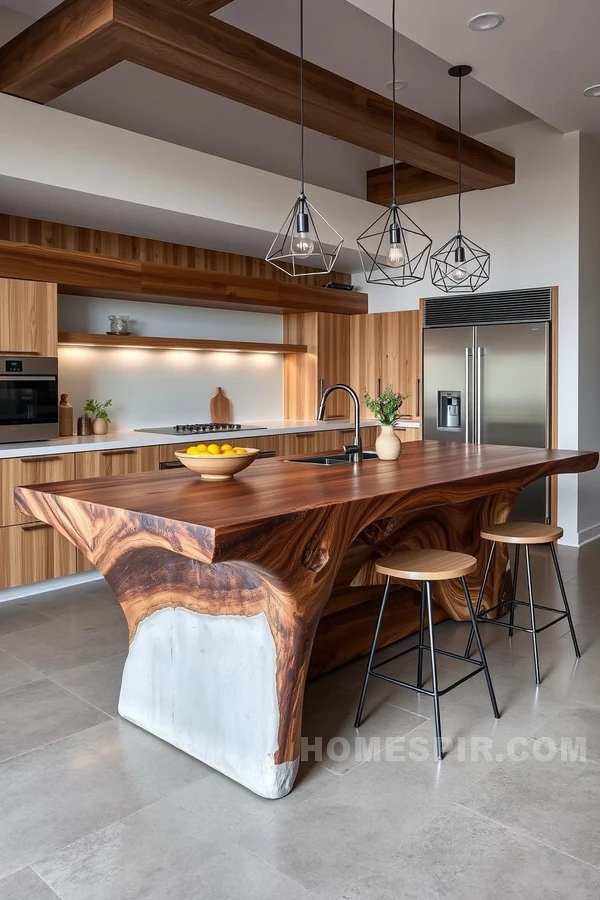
394, 103
302, 98
460, 155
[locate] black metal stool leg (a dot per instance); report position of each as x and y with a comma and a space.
482, 655
421, 636
480, 598
536, 661
434, 679
514, 590
363, 694
565, 601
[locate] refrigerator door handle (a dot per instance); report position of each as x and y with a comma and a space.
479, 394
467, 393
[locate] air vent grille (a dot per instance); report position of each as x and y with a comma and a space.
503, 308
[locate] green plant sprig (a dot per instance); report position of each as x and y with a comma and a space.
386, 405
98, 409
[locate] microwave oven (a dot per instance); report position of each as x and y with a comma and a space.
28, 398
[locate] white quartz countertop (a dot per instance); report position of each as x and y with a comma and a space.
115, 440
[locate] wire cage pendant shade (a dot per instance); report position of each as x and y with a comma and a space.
460, 264
394, 250
306, 243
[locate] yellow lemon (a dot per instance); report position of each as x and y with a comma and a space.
201, 446
193, 451
202, 451
240, 451
230, 453
225, 448
214, 449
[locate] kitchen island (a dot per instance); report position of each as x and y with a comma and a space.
223, 584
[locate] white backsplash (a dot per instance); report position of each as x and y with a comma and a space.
165, 387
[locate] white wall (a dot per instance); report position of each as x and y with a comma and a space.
589, 333
168, 387
531, 230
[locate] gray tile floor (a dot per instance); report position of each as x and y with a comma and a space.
92, 808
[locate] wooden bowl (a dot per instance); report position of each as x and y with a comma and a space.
217, 467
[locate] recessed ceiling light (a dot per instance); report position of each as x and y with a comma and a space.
400, 85
485, 21
592, 91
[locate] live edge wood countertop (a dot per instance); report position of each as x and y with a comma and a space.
224, 584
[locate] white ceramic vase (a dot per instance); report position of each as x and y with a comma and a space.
388, 445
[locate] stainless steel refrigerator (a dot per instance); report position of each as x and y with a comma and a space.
490, 384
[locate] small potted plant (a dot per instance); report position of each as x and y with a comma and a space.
99, 414
386, 408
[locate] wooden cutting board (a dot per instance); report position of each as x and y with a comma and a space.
220, 408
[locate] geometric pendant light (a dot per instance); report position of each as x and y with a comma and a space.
460, 264
306, 239
394, 250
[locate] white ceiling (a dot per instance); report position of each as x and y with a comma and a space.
542, 57
339, 37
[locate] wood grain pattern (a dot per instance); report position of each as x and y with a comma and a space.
412, 185
89, 273
28, 317
385, 348
163, 343
56, 235
166, 36
32, 553
327, 362
29, 470
273, 540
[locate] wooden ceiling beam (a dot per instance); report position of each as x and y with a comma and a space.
224, 60
412, 185
206, 6
81, 38
69, 45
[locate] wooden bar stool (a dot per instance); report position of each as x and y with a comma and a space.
427, 566
524, 533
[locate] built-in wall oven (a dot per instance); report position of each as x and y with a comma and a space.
28, 398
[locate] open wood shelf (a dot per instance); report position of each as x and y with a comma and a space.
168, 343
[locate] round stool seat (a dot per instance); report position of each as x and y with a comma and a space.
426, 565
522, 533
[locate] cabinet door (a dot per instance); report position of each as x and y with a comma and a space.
401, 356
409, 434
366, 356
128, 461
30, 470
33, 553
306, 375
28, 317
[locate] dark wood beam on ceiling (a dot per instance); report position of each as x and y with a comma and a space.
206, 6
412, 185
69, 45
81, 37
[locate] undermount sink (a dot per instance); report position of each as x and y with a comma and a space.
332, 459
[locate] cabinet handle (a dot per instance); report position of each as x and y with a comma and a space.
305, 434
37, 527
336, 416
117, 452
321, 386
418, 412
378, 386
34, 459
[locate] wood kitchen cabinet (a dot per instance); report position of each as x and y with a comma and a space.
34, 552
386, 348
28, 317
30, 470
125, 461
306, 375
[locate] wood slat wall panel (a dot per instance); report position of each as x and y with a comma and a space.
123, 246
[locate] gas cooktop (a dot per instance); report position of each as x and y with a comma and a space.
202, 428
